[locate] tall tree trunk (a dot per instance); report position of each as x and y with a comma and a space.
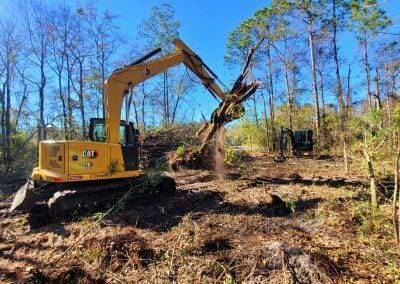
7, 115
81, 101
396, 177
396, 196
255, 113
42, 123
289, 97
348, 94
103, 79
323, 111
136, 113
266, 125
165, 99
371, 172
314, 81
378, 102
21, 106
256, 120
143, 107
337, 67
178, 99
367, 74
64, 107
69, 99
2, 123
340, 100
271, 96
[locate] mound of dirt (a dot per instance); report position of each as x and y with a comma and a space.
191, 159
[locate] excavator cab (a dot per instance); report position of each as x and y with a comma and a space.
128, 138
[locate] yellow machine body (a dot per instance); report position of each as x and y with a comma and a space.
72, 161
69, 161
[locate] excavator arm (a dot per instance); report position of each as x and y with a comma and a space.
124, 79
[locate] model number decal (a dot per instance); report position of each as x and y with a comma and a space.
88, 165
89, 154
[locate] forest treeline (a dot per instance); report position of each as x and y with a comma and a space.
301, 60
350, 101
55, 57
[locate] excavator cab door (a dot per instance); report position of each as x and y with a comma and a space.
129, 146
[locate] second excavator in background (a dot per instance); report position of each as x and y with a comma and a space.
299, 142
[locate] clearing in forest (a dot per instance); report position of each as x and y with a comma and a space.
294, 221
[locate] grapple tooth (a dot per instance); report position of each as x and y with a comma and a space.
25, 198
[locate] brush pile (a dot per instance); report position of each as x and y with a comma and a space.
156, 145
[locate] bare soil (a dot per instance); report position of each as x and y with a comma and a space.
300, 221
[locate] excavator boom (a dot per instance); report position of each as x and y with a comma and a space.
125, 78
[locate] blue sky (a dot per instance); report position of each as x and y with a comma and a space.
206, 24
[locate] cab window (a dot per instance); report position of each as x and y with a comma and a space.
122, 139
97, 131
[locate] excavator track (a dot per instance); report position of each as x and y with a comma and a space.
58, 200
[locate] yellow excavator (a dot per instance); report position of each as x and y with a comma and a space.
69, 170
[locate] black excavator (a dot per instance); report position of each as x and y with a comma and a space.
300, 142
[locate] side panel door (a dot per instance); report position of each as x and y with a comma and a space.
52, 156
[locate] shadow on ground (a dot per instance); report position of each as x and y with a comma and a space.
297, 179
163, 211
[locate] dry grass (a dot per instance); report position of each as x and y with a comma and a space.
218, 229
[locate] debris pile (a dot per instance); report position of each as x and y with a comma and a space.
156, 145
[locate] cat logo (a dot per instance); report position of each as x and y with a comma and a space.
145, 72
89, 154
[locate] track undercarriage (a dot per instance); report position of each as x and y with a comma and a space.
58, 199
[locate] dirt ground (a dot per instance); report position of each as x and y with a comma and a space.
301, 221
